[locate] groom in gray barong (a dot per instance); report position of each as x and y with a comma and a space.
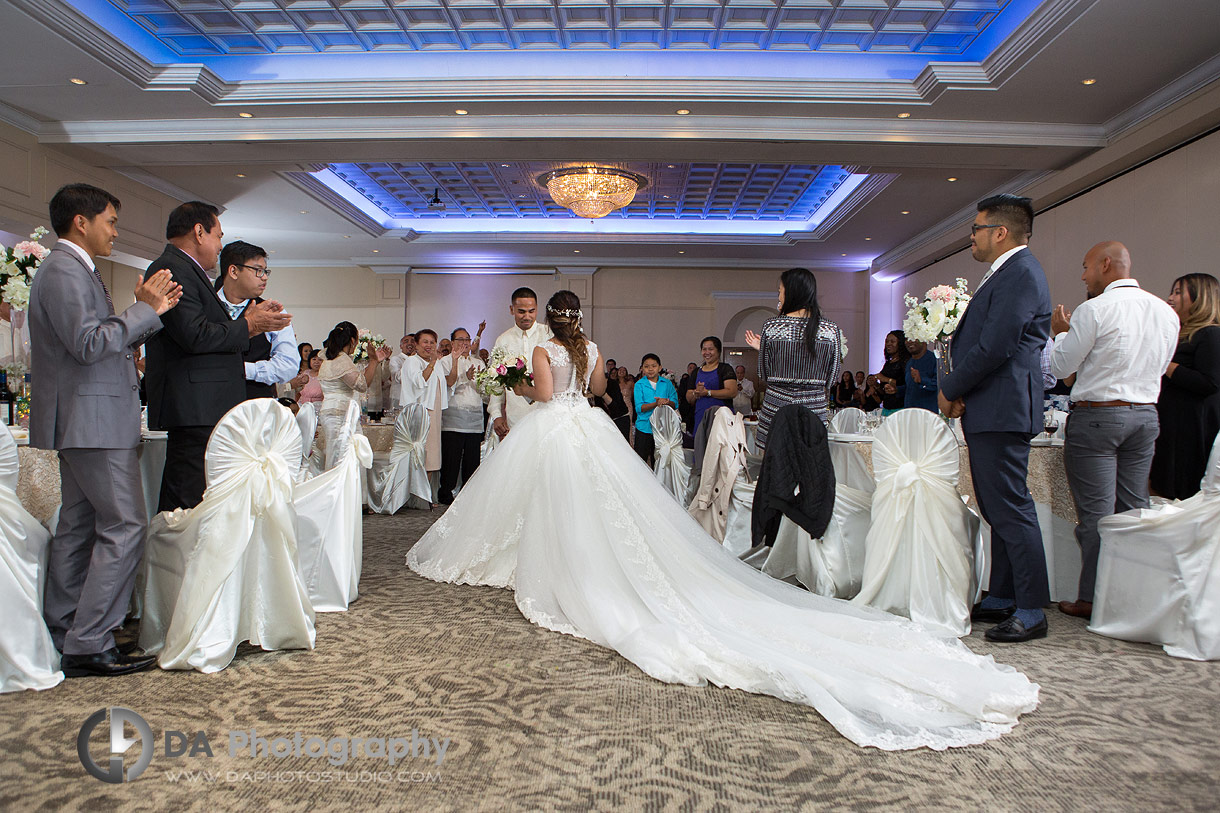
86, 405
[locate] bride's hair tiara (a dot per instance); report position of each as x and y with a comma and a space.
568, 312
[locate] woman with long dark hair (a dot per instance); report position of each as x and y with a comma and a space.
799, 353
592, 545
1189, 406
893, 375
844, 394
342, 381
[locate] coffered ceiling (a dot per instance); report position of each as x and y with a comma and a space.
833, 133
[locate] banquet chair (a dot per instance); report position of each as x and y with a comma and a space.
834, 564
307, 420
726, 491
849, 465
918, 553
28, 659
225, 571
1158, 573
671, 467
402, 480
330, 537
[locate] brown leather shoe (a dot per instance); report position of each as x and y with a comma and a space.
1080, 609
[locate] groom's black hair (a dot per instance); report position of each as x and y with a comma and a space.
524, 293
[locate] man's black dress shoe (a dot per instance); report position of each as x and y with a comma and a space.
104, 664
980, 615
1012, 631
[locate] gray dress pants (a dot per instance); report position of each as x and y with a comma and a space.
1107, 454
95, 549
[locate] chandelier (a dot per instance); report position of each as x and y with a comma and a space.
592, 191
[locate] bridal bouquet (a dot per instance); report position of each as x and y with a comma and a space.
18, 265
503, 372
363, 342
934, 320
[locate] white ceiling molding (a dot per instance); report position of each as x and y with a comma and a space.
19, 120
749, 128
1156, 103
844, 211
1047, 22
335, 202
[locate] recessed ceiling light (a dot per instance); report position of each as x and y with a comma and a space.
575, 251
347, 237
680, 251
76, 81
504, 165
905, 212
683, 112
241, 174
665, 196
1088, 81
246, 115
951, 180
272, 251
520, 196
376, 251
904, 115
844, 255
868, 238
461, 112
670, 166
304, 211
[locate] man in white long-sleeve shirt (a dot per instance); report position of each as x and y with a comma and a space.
1117, 345
519, 340
406, 348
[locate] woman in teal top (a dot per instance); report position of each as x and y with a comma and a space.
651, 391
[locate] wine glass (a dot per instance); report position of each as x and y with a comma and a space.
1049, 423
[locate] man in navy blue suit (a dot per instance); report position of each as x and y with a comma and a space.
996, 388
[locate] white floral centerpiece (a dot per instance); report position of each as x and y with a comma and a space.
843, 346
364, 341
935, 318
18, 265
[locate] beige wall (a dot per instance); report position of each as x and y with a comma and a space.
31, 173
1165, 213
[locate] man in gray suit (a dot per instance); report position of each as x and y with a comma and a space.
86, 405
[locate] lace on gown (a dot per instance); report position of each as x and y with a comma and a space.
567, 515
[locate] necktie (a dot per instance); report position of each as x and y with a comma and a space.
109, 303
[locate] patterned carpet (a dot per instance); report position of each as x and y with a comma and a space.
540, 721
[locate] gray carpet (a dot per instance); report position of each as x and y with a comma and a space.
540, 721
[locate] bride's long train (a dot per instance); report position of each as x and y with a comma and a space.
567, 515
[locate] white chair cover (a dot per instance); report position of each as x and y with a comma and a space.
738, 530
28, 659
833, 565
307, 420
330, 537
490, 441
1158, 573
847, 421
920, 543
402, 480
850, 468
669, 459
225, 571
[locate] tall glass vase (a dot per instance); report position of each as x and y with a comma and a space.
944, 362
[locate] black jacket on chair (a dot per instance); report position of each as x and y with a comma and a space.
194, 373
797, 480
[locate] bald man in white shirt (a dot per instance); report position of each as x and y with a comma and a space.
1117, 345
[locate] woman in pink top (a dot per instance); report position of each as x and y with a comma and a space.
312, 391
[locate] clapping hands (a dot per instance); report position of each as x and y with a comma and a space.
159, 291
754, 340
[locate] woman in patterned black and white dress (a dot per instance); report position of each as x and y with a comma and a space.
799, 352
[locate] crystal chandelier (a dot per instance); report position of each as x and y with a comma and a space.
592, 191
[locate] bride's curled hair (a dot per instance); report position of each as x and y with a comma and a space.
563, 315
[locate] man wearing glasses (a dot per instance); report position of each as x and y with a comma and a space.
272, 357
996, 388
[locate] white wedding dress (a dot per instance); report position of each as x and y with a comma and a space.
570, 517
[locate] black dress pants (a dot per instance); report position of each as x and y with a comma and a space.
460, 452
183, 481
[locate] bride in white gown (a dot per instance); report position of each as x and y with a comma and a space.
566, 514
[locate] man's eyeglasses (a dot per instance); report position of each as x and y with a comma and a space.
261, 273
976, 227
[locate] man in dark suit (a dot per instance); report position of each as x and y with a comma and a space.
86, 406
996, 389
195, 372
